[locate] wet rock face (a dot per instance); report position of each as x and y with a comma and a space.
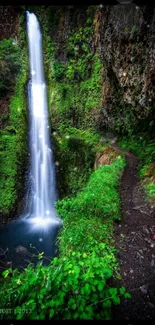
124, 35
127, 49
8, 21
105, 158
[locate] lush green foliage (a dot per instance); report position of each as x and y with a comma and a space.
73, 49
99, 197
72, 102
74, 85
8, 172
74, 88
72, 287
141, 146
74, 95
74, 150
13, 148
145, 150
80, 54
150, 190
9, 65
75, 285
89, 136
13, 137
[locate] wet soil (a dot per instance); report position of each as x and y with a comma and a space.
135, 242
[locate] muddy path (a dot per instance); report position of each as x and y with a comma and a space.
135, 242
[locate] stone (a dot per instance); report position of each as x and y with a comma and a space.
21, 250
144, 289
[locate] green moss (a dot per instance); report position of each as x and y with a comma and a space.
74, 93
74, 150
150, 189
14, 142
5, 117
9, 65
74, 85
77, 285
145, 150
13, 154
8, 172
58, 70
91, 88
75, 103
80, 55
100, 196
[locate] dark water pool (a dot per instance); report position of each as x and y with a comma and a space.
20, 238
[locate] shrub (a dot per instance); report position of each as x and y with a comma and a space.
77, 284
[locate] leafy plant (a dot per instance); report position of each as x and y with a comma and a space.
75, 285
72, 287
75, 150
58, 70
13, 136
145, 150
100, 196
9, 65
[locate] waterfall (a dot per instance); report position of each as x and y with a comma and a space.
37, 228
42, 171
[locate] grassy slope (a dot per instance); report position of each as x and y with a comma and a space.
75, 285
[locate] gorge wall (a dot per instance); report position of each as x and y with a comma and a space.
99, 66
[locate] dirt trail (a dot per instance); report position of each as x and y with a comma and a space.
135, 241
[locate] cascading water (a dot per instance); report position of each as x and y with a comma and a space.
42, 168
37, 229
